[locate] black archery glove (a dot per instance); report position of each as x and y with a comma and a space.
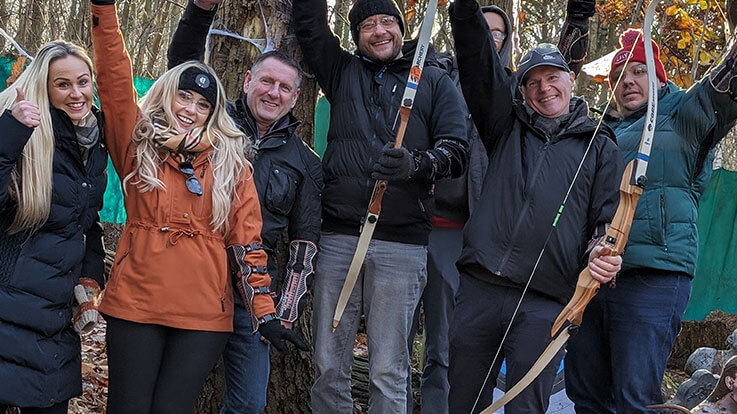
275, 333
394, 164
102, 2
581, 9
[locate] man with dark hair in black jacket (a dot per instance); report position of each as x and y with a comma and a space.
365, 90
536, 144
288, 181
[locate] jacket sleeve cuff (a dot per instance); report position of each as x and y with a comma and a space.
17, 137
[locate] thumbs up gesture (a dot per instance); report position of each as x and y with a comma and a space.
27, 113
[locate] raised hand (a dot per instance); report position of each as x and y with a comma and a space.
27, 113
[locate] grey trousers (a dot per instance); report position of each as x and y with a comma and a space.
387, 292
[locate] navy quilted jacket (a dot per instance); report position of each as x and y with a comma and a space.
39, 350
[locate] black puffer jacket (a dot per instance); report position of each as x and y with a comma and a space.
529, 173
365, 98
40, 361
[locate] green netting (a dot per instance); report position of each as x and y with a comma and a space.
113, 209
715, 282
322, 123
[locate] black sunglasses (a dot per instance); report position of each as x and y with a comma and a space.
193, 184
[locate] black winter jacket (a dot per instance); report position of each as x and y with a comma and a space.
288, 181
288, 173
528, 177
365, 98
40, 363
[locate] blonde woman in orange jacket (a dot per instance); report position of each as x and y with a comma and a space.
192, 211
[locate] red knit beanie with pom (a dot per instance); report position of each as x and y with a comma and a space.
626, 40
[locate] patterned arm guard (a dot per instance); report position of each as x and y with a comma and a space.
722, 76
447, 159
300, 271
242, 272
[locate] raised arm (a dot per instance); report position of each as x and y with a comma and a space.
709, 109
574, 37
320, 48
486, 84
188, 42
114, 84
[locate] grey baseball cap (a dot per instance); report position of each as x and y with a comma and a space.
544, 54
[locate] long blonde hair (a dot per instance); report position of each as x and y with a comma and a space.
31, 180
230, 144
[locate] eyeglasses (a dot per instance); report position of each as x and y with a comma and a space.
498, 35
193, 184
635, 70
185, 98
368, 26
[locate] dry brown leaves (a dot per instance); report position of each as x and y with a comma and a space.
94, 374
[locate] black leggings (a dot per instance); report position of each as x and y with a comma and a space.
60, 408
157, 369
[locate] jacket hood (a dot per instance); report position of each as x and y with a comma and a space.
505, 54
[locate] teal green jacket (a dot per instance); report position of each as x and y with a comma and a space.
689, 124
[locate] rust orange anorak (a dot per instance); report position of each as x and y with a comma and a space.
170, 268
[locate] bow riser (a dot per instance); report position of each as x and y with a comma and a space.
615, 240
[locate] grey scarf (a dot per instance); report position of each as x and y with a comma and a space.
88, 133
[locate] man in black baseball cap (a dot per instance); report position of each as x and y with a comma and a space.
512, 250
546, 81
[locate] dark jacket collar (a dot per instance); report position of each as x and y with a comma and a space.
282, 128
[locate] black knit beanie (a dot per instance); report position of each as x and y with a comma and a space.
196, 79
363, 9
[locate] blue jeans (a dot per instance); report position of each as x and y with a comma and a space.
616, 361
438, 300
246, 364
387, 292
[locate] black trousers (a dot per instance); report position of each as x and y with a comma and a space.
157, 369
60, 408
481, 316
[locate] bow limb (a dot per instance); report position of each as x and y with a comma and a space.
548, 354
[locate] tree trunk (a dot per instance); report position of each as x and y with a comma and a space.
291, 375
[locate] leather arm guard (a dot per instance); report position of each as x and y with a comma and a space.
242, 272
300, 271
722, 76
87, 294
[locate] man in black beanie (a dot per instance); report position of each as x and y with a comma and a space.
365, 89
